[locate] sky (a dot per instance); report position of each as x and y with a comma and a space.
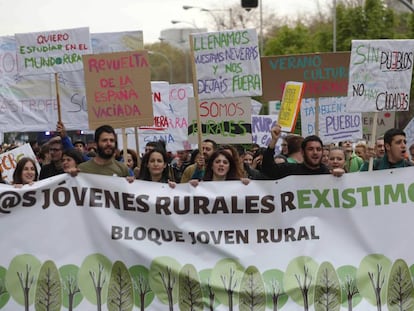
149, 16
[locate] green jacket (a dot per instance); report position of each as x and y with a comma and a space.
384, 164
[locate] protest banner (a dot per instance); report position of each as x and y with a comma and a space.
9, 159
290, 105
52, 51
28, 103
99, 233
261, 126
225, 120
325, 74
335, 124
118, 89
227, 64
380, 75
385, 121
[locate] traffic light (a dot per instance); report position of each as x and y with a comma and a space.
249, 4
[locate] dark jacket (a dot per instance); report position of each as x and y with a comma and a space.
277, 171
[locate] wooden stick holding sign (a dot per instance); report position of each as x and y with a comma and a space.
373, 139
58, 97
195, 90
290, 105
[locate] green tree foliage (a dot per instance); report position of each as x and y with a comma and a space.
252, 296
4, 295
209, 295
275, 295
327, 289
400, 288
190, 293
49, 288
372, 276
120, 289
225, 279
93, 279
299, 280
21, 278
350, 292
142, 291
163, 279
72, 296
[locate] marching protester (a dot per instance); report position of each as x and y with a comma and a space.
221, 166
25, 173
71, 158
312, 148
352, 162
55, 166
154, 167
395, 145
197, 169
131, 161
104, 163
180, 163
337, 158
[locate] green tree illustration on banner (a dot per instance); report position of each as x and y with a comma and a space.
252, 294
48, 295
350, 292
299, 280
372, 276
21, 279
94, 278
144, 295
4, 295
72, 296
120, 289
400, 294
190, 295
164, 280
327, 289
275, 295
209, 295
225, 278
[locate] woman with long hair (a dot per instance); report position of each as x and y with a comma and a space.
221, 166
25, 173
154, 167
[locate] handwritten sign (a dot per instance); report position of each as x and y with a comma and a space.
28, 103
261, 126
290, 105
335, 123
53, 51
325, 74
170, 116
380, 75
118, 89
226, 120
385, 121
227, 64
9, 159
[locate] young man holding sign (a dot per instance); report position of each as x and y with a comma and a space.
312, 149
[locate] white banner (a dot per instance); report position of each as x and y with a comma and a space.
380, 75
300, 240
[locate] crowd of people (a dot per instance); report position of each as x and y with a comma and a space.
212, 162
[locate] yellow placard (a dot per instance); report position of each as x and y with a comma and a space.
290, 105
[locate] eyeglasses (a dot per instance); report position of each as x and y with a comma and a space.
284, 145
55, 149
